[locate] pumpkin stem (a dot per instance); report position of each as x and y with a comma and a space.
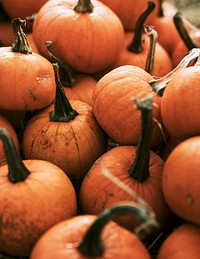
92, 245
136, 45
152, 47
159, 84
17, 172
160, 9
139, 170
68, 74
63, 111
84, 6
20, 41
178, 21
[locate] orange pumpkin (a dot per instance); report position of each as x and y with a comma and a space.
87, 36
180, 101
89, 236
113, 108
189, 39
137, 46
126, 169
66, 134
129, 10
4, 123
27, 78
182, 243
35, 195
181, 180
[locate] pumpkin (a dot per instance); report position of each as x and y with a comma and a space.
189, 38
4, 123
113, 108
124, 170
35, 195
181, 179
137, 46
89, 236
176, 104
65, 133
129, 10
27, 78
86, 35
187, 236
164, 22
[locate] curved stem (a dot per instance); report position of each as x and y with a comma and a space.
160, 8
20, 41
92, 245
178, 21
63, 111
84, 6
152, 47
136, 45
68, 75
159, 84
17, 172
139, 170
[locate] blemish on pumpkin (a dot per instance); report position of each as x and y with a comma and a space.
32, 94
41, 79
190, 199
45, 143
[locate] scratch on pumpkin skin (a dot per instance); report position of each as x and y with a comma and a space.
41, 79
190, 199
32, 94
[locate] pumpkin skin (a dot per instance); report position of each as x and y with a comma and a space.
104, 193
73, 145
6, 34
188, 236
114, 109
4, 123
181, 180
129, 10
31, 207
184, 87
29, 77
94, 39
118, 241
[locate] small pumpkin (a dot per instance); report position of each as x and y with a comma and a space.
27, 78
89, 236
188, 236
65, 133
35, 195
181, 180
86, 34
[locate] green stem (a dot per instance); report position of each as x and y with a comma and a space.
84, 6
139, 170
93, 246
17, 172
178, 21
68, 79
158, 85
20, 41
152, 47
136, 45
63, 111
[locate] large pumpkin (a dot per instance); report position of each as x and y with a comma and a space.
35, 195
27, 79
88, 36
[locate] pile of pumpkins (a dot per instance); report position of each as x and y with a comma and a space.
99, 130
